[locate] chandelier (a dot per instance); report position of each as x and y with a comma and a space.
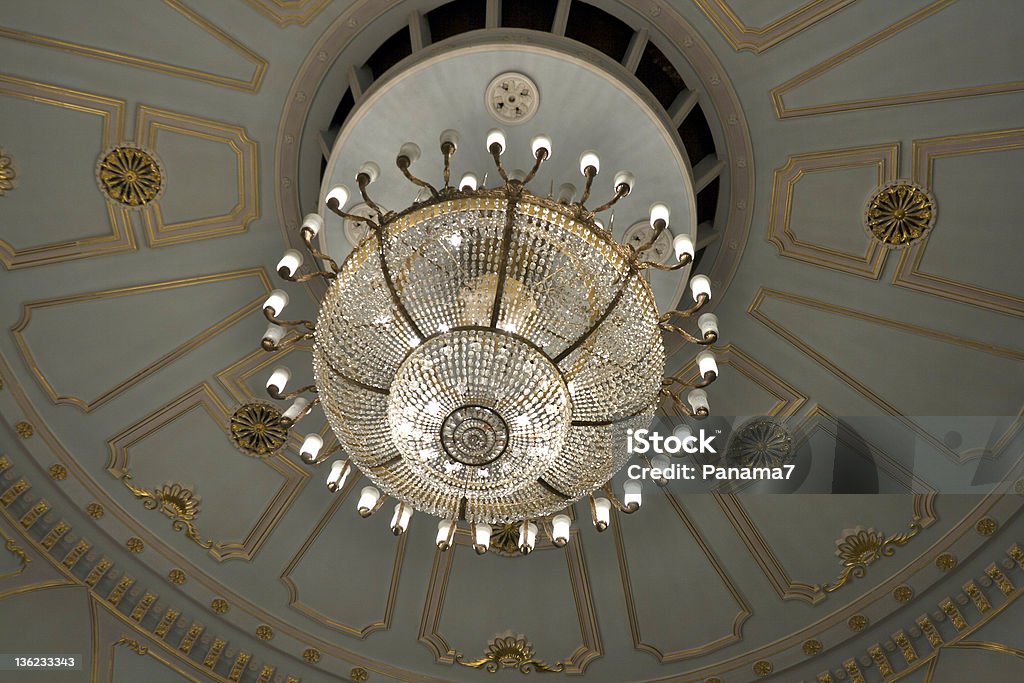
480, 354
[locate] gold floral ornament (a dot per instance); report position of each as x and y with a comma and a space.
505, 540
264, 632
177, 577
220, 605
311, 655
359, 674
6, 174
507, 653
130, 175
95, 510
899, 214
177, 502
24, 430
256, 429
135, 544
860, 547
58, 472
761, 443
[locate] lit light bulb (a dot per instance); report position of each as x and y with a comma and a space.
444, 534
450, 136
624, 178
370, 170
338, 475
279, 379
527, 537
589, 159
273, 336
632, 492
602, 513
708, 324
311, 446
340, 193
698, 400
314, 222
659, 212
295, 410
469, 180
276, 302
560, 528
289, 263
410, 151
683, 246
368, 497
400, 520
700, 284
496, 137
539, 143
706, 363
481, 537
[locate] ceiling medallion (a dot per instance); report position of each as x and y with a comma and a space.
512, 97
639, 233
478, 351
510, 652
257, 429
762, 442
7, 174
900, 214
130, 175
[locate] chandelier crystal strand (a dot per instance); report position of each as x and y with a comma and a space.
478, 353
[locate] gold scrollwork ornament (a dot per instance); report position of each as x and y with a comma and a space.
510, 652
177, 502
860, 547
7, 175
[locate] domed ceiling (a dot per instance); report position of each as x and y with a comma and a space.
157, 157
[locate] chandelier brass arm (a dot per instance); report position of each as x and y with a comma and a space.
268, 313
708, 339
404, 161
678, 265
268, 344
276, 393
621, 190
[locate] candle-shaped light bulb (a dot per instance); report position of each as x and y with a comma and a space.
450, 136
279, 379
527, 537
496, 137
589, 159
708, 324
368, 497
310, 448
400, 520
314, 222
289, 263
339, 193
602, 513
698, 400
481, 537
444, 534
560, 528
683, 247
273, 336
469, 181
338, 474
706, 363
370, 170
659, 212
276, 302
410, 151
700, 284
632, 492
624, 178
295, 410
541, 143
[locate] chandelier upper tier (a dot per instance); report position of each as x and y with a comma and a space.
480, 353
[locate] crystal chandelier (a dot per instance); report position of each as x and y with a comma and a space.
480, 354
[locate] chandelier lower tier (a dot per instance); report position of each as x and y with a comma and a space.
480, 354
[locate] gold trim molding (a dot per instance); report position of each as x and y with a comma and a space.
909, 271
150, 122
251, 85
885, 158
788, 398
782, 111
289, 12
579, 581
294, 600
202, 397
757, 39
743, 613
87, 405
111, 112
